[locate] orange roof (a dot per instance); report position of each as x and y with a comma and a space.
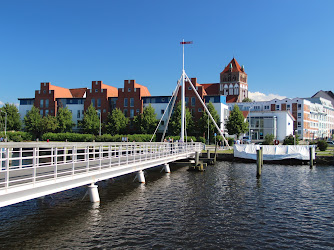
144, 90
111, 91
231, 98
194, 80
60, 92
244, 113
235, 67
211, 88
78, 93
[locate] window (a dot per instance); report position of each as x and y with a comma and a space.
189, 88
187, 101
41, 112
47, 103
299, 115
96, 90
193, 101
137, 110
132, 102
162, 111
78, 114
277, 107
129, 89
162, 99
46, 112
125, 102
299, 124
299, 106
44, 91
132, 113
99, 102
200, 110
104, 110
125, 112
288, 107
266, 107
41, 103
51, 111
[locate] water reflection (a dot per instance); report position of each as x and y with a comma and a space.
224, 207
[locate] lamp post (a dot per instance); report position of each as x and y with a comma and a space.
294, 142
100, 123
5, 123
249, 123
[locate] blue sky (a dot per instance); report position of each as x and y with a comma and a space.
286, 46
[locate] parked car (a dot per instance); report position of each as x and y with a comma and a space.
330, 142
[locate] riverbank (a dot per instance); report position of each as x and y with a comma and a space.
228, 156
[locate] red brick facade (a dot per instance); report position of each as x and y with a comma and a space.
129, 99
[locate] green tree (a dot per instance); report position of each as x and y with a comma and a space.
64, 120
13, 117
32, 122
291, 140
268, 139
48, 124
116, 122
203, 121
91, 121
146, 122
236, 123
174, 126
247, 100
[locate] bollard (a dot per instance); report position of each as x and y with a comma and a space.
261, 149
311, 157
196, 158
258, 163
208, 154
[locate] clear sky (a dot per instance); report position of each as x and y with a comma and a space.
286, 46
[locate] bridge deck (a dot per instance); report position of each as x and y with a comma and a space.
31, 170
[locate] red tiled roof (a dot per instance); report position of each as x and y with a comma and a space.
211, 88
144, 90
111, 91
231, 98
78, 93
235, 67
60, 92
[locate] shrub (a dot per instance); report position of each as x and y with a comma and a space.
70, 137
290, 140
322, 145
230, 141
17, 136
268, 139
201, 139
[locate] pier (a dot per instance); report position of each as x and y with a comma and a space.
32, 170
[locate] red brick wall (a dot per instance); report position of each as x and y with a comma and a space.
45, 94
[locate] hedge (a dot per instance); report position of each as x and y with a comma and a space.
70, 137
17, 136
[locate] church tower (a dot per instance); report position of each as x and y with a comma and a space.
233, 82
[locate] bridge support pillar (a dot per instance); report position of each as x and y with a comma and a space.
93, 193
166, 168
140, 176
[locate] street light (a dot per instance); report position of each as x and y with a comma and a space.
5, 123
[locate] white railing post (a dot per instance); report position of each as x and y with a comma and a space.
20, 158
7, 168
34, 161
119, 154
127, 154
100, 156
55, 162
73, 159
87, 158
109, 154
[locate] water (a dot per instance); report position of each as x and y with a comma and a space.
224, 207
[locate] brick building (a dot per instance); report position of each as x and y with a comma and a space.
130, 98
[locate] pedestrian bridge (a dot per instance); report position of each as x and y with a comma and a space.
30, 169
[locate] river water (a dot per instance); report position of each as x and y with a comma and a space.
225, 207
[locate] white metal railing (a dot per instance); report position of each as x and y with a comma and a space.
29, 163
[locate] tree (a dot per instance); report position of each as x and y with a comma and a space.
116, 122
146, 122
236, 123
13, 116
91, 121
247, 100
48, 124
203, 121
64, 120
291, 140
268, 139
174, 126
32, 122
